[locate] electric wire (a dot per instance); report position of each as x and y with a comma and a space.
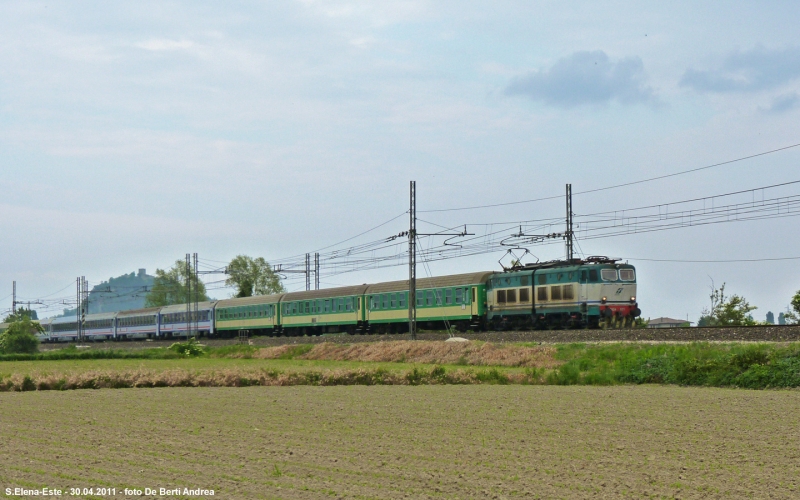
632, 183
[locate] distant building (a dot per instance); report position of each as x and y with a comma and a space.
781, 319
770, 318
668, 323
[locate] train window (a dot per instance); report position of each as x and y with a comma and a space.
511, 296
402, 300
608, 274
448, 296
459, 295
593, 275
501, 296
627, 275
393, 301
429, 297
420, 299
384, 301
555, 292
438, 297
348, 304
524, 295
372, 304
568, 292
359, 302
307, 307
474, 294
542, 279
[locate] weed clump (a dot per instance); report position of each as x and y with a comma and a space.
188, 349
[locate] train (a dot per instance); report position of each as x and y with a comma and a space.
594, 292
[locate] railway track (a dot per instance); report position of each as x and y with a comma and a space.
772, 333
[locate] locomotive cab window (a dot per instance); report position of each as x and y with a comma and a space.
608, 274
593, 275
627, 275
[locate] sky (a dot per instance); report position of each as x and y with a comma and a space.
132, 133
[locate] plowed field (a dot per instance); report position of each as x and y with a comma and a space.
416, 442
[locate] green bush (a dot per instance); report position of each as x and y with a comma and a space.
20, 337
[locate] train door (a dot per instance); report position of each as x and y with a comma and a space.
474, 304
583, 290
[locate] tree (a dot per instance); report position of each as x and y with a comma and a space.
20, 337
252, 277
793, 311
727, 311
169, 287
21, 313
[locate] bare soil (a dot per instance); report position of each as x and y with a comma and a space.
408, 442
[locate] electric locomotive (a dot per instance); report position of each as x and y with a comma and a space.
596, 292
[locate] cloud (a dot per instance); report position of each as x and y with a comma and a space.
585, 78
784, 102
752, 70
163, 44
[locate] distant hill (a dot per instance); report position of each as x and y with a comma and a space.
118, 294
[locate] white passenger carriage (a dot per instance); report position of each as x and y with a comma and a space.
99, 326
64, 329
138, 324
173, 321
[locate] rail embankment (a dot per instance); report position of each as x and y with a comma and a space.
774, 333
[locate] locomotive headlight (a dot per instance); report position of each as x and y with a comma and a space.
633, 298
603, 300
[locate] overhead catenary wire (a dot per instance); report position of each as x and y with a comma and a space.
616, 186
712, 261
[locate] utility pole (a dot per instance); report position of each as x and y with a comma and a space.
14, 297
412, 262
80, 311
316, 271
84, 306
196, 317
568, 233
308, 272
188, 295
